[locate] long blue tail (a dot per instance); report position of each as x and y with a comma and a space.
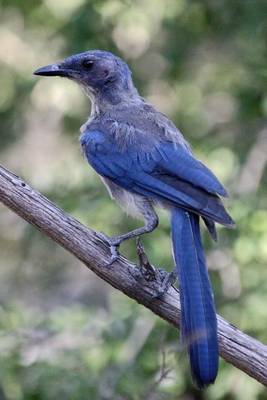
198, 317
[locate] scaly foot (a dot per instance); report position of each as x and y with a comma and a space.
114, 244
162, 280
166, 280
147, 270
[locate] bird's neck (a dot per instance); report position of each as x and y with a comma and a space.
107, 100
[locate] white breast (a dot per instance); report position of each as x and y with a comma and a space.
128, 201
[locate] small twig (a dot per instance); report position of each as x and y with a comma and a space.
164, 370
163, 374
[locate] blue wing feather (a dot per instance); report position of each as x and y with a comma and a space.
178, 161
151, 174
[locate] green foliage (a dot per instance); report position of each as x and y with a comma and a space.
63, 333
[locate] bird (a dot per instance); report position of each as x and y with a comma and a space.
145, 163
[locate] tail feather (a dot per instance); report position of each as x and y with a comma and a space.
210, 224
198, 317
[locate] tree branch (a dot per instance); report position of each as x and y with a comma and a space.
236, 347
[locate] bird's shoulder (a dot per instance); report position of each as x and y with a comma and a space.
135, 125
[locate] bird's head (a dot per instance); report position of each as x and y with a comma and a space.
100, 73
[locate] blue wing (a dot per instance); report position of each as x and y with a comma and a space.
164, 172
177, 160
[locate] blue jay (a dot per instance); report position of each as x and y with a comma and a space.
145, 162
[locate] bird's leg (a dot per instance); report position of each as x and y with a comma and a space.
160, 278
151, 222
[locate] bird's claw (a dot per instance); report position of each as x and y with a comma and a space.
114, 254
147, 270
161, 279
113, 245
167, 279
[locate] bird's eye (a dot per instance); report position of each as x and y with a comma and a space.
87, 64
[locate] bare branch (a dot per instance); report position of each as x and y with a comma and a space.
236, 347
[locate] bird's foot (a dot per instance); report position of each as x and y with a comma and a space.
166, 280
147, 270
161, 280
114, 244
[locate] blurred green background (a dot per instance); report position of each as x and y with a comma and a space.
65, 334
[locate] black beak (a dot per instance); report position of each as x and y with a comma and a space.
53, 70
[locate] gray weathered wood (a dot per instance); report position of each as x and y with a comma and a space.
236, 347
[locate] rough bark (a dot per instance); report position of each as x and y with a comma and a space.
237, 348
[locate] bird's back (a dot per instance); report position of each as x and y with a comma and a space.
136, 124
